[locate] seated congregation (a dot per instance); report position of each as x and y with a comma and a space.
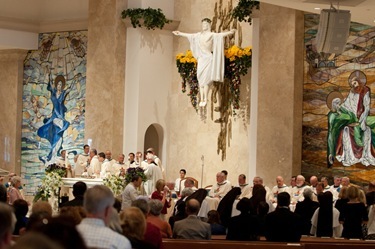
96, 219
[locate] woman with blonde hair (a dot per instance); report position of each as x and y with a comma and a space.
342, 200
161, 194
353, 215
134, 227
14, 192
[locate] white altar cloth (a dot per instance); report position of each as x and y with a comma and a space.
90, 182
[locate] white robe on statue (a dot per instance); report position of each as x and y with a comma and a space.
210, 63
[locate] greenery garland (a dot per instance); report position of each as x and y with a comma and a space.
152, 18
244, 9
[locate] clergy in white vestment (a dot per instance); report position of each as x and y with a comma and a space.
131, 162
106, 169
119, 167
336, 187
82, 161
279, 188
297, 191
156, 159
327, 187
95, 164
217, 192
153, 174
259, 180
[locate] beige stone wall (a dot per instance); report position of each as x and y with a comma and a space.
280, 93
105, 75
11, 71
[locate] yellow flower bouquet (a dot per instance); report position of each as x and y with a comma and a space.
237, 63
187, 67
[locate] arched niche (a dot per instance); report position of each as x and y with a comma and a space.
154, 137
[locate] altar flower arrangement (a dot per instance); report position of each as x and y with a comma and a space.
134, 171
50, 186
237, 63
187, 68
115, 183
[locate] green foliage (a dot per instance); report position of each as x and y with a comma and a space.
244, 9
152, 18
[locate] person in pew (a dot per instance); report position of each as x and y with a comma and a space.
134, 227
21, 208
214, 220
277, 221
98, 202
325, 221
306, 209
263, 210
244, 226
370, 195
189, 183
7, 224
79, 189
353, 215
154, 217
152, 233
192, 227
179, 208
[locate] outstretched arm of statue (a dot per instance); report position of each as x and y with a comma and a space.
230, 32
178, 33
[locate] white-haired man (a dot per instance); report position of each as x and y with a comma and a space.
297, 191
98, 202
279, 188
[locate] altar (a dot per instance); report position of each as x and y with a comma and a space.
90, 182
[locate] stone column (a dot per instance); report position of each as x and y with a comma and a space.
280, 88
105, 75
11, 71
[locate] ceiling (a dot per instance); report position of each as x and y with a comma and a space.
40, 16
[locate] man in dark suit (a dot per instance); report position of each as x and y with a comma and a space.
283, 225
79, 189
192, 227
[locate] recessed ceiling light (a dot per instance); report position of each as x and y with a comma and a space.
317, 8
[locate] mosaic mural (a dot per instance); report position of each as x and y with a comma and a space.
329, 82
53, 103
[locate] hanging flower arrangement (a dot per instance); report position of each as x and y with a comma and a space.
237, 63
187, 68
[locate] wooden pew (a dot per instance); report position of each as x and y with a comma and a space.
345, 245
224, 244
305, 243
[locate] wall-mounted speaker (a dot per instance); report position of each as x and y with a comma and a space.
333, 31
